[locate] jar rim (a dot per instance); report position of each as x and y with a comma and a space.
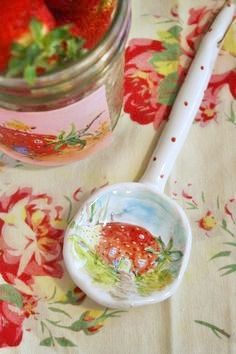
120, 18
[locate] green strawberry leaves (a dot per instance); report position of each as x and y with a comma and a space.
46, 52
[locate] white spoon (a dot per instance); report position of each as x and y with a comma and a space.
111, 249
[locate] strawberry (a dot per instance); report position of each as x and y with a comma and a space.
68, 6
91, 19
139, 246
60, 6
30, 42
16, 16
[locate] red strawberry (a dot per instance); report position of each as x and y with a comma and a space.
60, 6
133, 242
29, 42
91, 18
16, 16
66, 6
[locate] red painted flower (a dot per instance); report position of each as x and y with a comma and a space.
198, 22
31, 236
208, 222
94, 321
230, 209
142, 82
11, 319
144, 75
207, 113
208, 109
79, 294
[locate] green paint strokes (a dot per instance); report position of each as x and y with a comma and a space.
153, 281
98, 270
163, 274
216, 330
92, 212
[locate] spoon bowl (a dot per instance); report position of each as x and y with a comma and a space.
114, 282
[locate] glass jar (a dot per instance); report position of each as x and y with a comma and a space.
67, 115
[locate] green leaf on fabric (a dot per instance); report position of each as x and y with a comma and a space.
57, 310
216, 330
171, 53
230, 243
9, 294
231, 268
175, 31
225, 228
221, 254
64, 342
71, 299
168, 89
232, 117
191, 206
47, 342
224, 223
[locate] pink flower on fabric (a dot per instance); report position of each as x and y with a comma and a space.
142, 82
31, 235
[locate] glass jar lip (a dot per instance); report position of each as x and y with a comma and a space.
121, 17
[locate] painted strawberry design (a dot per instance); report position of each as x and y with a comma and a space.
132, 243
26, 143
34, 145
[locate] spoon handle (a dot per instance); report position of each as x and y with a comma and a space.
188, 101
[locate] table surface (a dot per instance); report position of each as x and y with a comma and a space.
39, 303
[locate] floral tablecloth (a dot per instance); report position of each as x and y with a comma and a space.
40, 308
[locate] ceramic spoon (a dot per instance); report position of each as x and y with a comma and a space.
129, 244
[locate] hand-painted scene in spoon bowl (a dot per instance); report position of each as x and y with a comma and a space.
127, 246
